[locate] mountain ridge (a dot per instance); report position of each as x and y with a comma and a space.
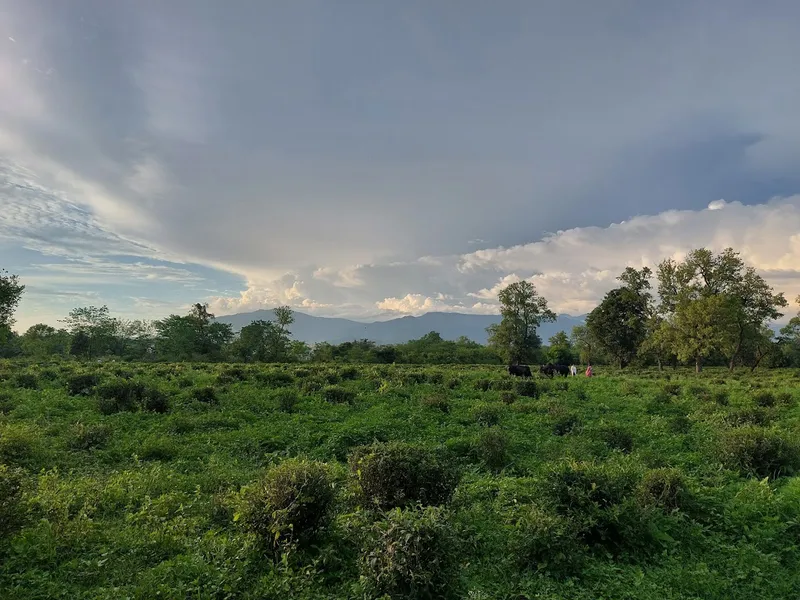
451, 326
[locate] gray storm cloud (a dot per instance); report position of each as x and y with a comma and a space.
287, 142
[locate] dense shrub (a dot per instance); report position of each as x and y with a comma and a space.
27, 381
673, 389
275, 378
162, 449
764, 399
232, 374
338, 395
411, 554
348, 373
437, 402
757, 451
492, 448
664, 488
749, 415
598, 499
680, 424
399, 474
616, 437
311, 385
545, 541
565, 424
87, 437
482, 385
529, 388
7, 403
720, 397
486, 414
291, 503
126, 395
10, 500
206, 394
287, 400
16, 444
508, 397
452, 383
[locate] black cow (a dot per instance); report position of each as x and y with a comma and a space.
550, 369
519, 370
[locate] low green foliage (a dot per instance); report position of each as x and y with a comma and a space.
411, 554
397, 474
290, 504
606, 487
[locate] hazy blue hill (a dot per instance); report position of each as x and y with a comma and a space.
450, 326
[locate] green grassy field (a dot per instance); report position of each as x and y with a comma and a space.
148, 481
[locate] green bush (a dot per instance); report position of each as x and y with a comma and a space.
545, 541
508, 397
10, 500
397, 474
16, 444
482, 385
232, 375
7, 403
27, 381
749, 415
486, 414
598, 499
764, 399
122, 395
348, 373
87, 437
338, 395
664, 488
290, 505
720, 397
437, 402
287, 400
161, 449
529, 388
753, 450
492, 448
206, 394
275, 378
311, 385
411, 554
616, 438
566, 424
673, 389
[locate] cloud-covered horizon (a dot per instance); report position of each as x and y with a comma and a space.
370, 159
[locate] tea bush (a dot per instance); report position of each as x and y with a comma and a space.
338, 395
412, 553
27, 381
206, 394
287, 400
290, 504
486, 414
545, 541
89, 436
753, 450
664, 488
528, 388
397, 474
492, 448
11, 511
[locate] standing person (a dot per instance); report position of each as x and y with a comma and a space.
589, 371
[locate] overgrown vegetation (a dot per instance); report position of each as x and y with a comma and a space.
408, 482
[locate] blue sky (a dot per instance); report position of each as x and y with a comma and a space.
368, 158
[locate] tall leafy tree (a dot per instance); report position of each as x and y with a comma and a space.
559, 350
42, 340
523, 310
96, 325
619, 322
714, 303
10, 294
585, 344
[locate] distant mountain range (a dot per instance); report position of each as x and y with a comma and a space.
450, 326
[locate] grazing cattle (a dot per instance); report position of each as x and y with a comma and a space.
519, 370
550, 369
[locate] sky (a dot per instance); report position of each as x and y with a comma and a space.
371, 158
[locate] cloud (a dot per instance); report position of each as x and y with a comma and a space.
573, 269
261, 149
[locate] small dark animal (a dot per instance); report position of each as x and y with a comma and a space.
550, 369
519, 370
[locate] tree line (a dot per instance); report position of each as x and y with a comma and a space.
709, 309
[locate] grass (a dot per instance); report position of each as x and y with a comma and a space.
135, 481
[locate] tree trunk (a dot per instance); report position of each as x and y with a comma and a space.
660, 368
698, 365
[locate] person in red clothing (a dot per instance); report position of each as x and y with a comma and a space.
589, 371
